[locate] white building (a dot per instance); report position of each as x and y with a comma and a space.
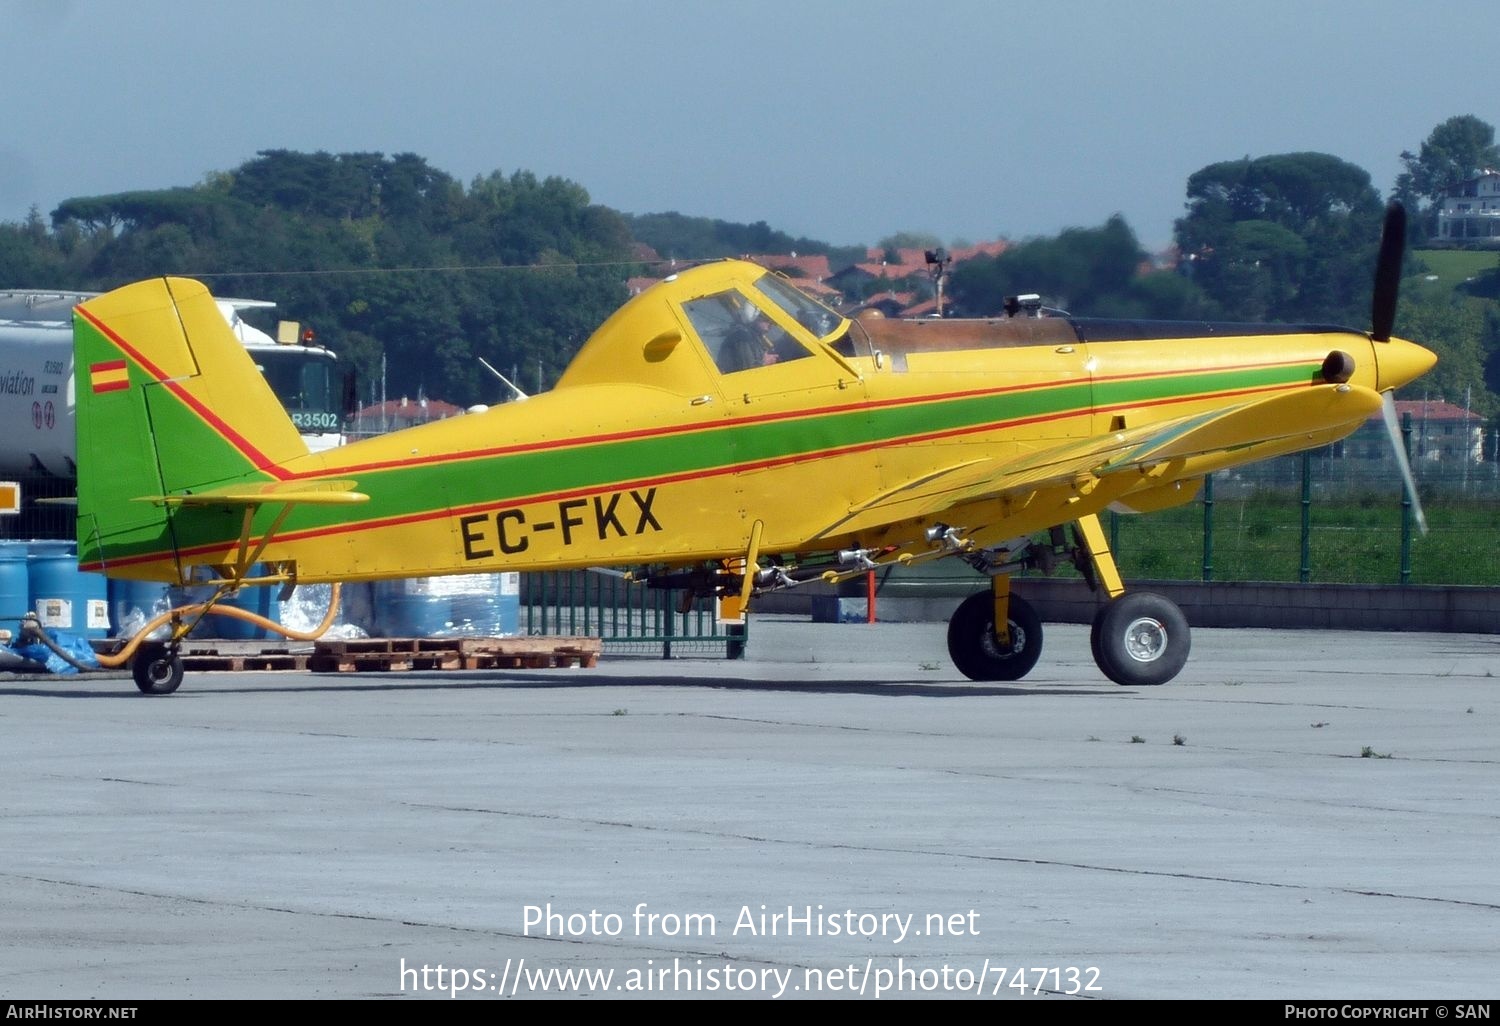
1441, 433
1471, 211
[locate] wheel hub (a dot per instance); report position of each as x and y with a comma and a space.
1017, 641
1145, 639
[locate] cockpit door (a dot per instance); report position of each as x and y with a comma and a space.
764, 359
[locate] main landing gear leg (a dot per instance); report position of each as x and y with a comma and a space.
1138, 638
983, 650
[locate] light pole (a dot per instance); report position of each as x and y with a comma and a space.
937, 266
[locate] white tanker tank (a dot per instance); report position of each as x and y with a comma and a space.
37, 435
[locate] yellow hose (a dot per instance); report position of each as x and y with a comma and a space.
122, 657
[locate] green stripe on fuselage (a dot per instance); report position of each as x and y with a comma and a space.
1137, 391
489, 482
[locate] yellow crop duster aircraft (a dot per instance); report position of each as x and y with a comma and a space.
725, 435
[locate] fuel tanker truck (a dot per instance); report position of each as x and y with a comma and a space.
37, 381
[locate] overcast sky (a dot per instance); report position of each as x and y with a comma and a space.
844, 121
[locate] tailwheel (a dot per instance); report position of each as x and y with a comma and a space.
1140, 639
157, 669
975, 650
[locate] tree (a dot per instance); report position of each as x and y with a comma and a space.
1453, 327
891, 245
29, 257
677, 236
1091, 271
393, 262
1285, 237
1456, 150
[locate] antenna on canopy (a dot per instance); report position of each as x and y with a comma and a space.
508, 383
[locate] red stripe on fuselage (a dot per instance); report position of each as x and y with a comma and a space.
770, 418
595, 489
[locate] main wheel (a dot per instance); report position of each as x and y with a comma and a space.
156, 670
976, 651
1094, 634
1141, 639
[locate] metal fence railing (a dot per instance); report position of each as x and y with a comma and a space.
628, 617
1323, 518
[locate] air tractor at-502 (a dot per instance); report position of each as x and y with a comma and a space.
721, 434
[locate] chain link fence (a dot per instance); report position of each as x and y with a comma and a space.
1332, 517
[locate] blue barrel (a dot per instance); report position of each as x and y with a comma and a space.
410, 616
509, 606
260, 600
133, 603
64, 598
15, 588
465, 605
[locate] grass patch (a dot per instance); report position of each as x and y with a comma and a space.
1354, 534
1452, 267
1350, 541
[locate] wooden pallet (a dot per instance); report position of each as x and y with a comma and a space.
387, 654
243, 662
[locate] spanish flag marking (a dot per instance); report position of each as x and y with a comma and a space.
110, 376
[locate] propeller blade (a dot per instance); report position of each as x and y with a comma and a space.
1388, 272
1393, 430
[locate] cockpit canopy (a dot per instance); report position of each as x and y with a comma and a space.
725, 318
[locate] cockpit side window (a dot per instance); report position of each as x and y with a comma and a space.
738, 335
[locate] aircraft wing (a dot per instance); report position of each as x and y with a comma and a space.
313, 493
1289, 415
1295, 420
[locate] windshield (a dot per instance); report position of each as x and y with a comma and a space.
805, 310
306, 381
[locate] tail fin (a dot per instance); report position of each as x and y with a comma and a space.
167, 402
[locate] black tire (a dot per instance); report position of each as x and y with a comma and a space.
1094, 633
1141, 639
972, 645
156, 671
